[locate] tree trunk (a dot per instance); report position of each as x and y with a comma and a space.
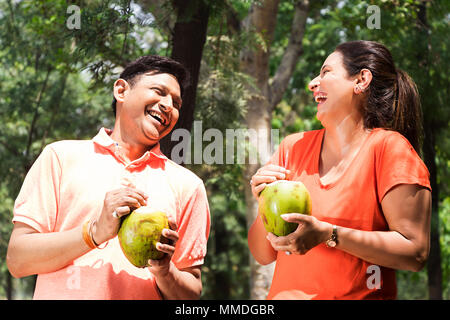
189, 36
434, 269
9, 286
259, 118
221, 279
261, 20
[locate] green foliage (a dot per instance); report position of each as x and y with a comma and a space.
55, 83
444, 215
221, 104
412, 285
225, 274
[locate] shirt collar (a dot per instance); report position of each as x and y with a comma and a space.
103, 138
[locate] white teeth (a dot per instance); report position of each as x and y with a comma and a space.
320, 98
157, 115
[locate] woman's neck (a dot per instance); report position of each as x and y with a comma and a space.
341, 139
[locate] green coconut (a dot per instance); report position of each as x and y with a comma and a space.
282, 197
139, 233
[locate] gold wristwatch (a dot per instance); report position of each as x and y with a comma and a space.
333, 241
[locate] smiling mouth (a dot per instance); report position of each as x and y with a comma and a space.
157, 116
320, 98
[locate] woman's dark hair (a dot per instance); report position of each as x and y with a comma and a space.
157, 65
392, 99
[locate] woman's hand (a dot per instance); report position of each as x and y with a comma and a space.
260, 248
265, 175
309, 233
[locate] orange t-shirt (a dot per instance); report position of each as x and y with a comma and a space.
67, 184
385, 160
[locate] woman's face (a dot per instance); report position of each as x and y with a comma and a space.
334, 91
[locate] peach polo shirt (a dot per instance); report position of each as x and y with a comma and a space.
67, 184
385, 160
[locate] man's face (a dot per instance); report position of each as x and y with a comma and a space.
149, 109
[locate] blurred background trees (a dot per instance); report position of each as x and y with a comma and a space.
251, 62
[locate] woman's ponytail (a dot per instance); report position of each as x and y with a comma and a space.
407, 111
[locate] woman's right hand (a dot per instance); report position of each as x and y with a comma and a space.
265, 175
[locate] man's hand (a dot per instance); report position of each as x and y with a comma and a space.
161, 267
174, 283
122, 201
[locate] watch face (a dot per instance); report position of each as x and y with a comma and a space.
331, 243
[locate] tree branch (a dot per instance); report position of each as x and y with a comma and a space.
36, 114
261, 21
55, 110
11, 149
124, 44
232, 17
290, 57
162, 12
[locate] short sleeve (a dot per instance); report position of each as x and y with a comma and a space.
398, 163
291, 150
193, 230
278, 157
37, 202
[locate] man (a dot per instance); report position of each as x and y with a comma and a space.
67, 214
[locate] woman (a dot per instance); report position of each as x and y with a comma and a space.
370, 191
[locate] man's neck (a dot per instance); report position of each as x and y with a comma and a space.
129, 151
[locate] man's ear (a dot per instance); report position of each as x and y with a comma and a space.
121, 88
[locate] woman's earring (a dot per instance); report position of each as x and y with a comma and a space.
358, 89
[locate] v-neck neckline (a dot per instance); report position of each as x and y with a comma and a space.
344, 173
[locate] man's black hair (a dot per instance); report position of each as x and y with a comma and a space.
157, 65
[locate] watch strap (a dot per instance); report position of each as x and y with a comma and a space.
333, 240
